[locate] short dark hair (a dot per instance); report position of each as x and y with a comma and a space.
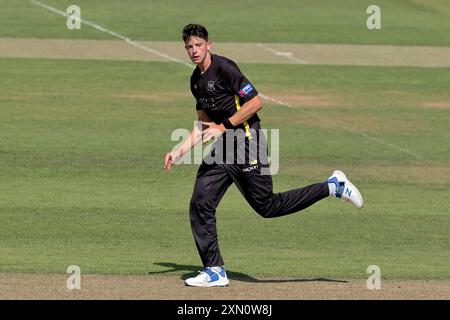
194, 30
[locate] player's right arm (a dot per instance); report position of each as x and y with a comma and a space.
191, 141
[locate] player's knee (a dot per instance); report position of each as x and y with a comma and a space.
200, 203
198, 196
262, 206
196, 205
263, 210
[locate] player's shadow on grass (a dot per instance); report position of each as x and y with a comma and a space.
193, 271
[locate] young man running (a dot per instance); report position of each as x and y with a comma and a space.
226, 100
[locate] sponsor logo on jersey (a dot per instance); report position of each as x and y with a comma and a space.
246, 90
207, 103
248, 169
210, 85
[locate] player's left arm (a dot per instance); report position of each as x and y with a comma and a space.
247, 110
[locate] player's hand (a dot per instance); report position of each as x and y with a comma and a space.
212, 131
170, 159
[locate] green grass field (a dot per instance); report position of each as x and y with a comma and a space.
82, 145
404, 22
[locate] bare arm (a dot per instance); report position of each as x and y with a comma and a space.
247, 110
194, 138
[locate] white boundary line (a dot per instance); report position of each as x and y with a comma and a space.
393, 146
378, 140
277, 101
114, 34
189, 65
283, 54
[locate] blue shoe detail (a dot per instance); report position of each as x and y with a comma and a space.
340, 185
340, 189
348, 192
223, 273
213, 275
335, 181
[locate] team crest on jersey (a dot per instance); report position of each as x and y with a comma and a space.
211, 86
246, 90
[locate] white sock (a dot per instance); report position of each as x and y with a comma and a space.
218, 269
332, 188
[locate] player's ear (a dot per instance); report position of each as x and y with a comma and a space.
209, 45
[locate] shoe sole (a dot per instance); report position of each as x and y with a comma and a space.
225, 284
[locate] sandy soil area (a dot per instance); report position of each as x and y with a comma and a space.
376, 55
54, 286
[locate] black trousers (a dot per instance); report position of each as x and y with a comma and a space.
210, 186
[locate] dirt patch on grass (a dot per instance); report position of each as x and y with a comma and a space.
135, 96
73, 49
153, 97
275, 53
350, 121
53, 286
437, 105
420, 174
377, 55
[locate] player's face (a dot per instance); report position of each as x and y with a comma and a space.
197, 49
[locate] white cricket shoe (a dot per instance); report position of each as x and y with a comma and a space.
209, 277
345, 190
